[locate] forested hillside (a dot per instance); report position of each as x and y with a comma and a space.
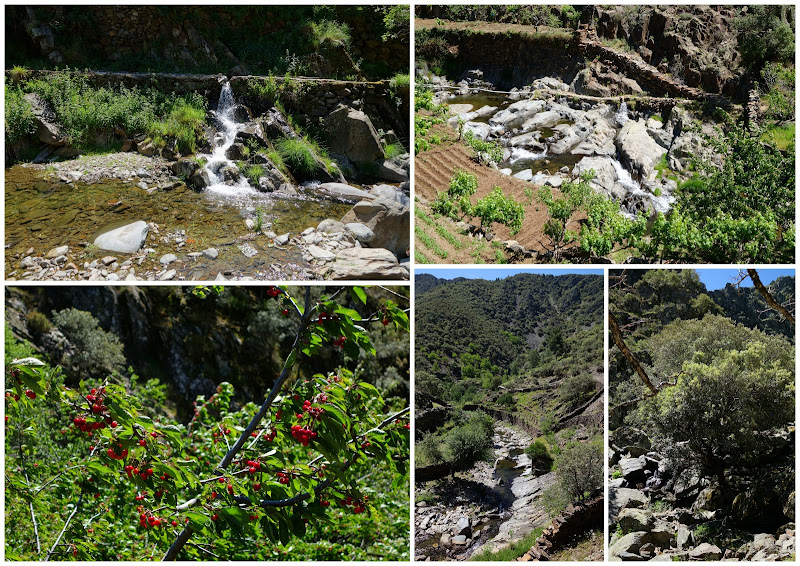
509, 371
469, 329
701, 442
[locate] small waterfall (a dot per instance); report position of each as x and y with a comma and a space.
622, 114
623, 177
519, 155
218, 160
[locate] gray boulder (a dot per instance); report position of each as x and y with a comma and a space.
624, 498
638, 151
516, 114
392, 170
605, 176
633, 469
343, 192
365, 264
392, 193
706, 552
351, 133
463, 527
47, 129
627, 547
360, 232
389, 220
127, 239
635, 520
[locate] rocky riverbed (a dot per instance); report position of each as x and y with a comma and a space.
489, 506
551, 134
126, 216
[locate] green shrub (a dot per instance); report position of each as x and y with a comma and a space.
579, 469
576, 389
539, 455
396, 22
496, 207
469, 442
37, 322
183, 122
264, 89
298, 155
19, 117
97, 352
491, 149
252, 173
506, 399
393, 150
329, 31
400, 80
455, 201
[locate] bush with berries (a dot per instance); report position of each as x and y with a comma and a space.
90, 475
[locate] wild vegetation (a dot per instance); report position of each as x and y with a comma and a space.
722, 190
101, 466
491, 359
705, 388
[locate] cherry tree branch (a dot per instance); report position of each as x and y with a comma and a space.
613, 325
66, 525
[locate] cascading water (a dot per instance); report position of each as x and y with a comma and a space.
622, 114
638, 197
218, 160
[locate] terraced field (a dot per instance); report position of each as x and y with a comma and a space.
440, 240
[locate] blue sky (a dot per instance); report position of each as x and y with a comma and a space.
712, 278
718, 278
492, 273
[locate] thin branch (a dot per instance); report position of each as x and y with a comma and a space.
768, 297
617, 336
66, 525
393, 293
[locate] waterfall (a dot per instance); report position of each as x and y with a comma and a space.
623, 177
622, 114
520, 155
218, 160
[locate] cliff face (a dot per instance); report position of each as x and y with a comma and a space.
193, 344
695, 43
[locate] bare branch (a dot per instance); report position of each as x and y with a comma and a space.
768, 296
617, 336
66, 525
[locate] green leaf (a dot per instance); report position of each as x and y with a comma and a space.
358, 293
352, 314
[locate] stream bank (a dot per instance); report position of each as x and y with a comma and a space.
488, 506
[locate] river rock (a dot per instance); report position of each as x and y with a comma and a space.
705, 551
168, 275
330, 226
211, 253
55, 252
166, 259
185, 167
320, 254
445, 539
365, 263
350, 132
638, 151
516, 114
605, 175
459, 540
360, 232
633, 469
479, 130
392, 193
344, 192
282, 240
125, 239
392, 170
389, 220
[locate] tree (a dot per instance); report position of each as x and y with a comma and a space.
276, 468
579, 470
741, 212
470, 442
734, 386
766, 33
97, 352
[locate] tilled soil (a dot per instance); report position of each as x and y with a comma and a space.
434, 169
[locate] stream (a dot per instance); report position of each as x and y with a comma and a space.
497, 501
549, 141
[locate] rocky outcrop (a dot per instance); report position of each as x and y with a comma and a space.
576, 519
351, 133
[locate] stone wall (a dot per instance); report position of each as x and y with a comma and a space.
575, 520
195, 35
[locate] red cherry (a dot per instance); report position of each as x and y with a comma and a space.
30, 394
385, 321
285, 312
143, 442
174, 523
214, 517
325, 503
257, 486
113, 424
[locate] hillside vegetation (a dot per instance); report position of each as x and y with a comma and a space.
701, 417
